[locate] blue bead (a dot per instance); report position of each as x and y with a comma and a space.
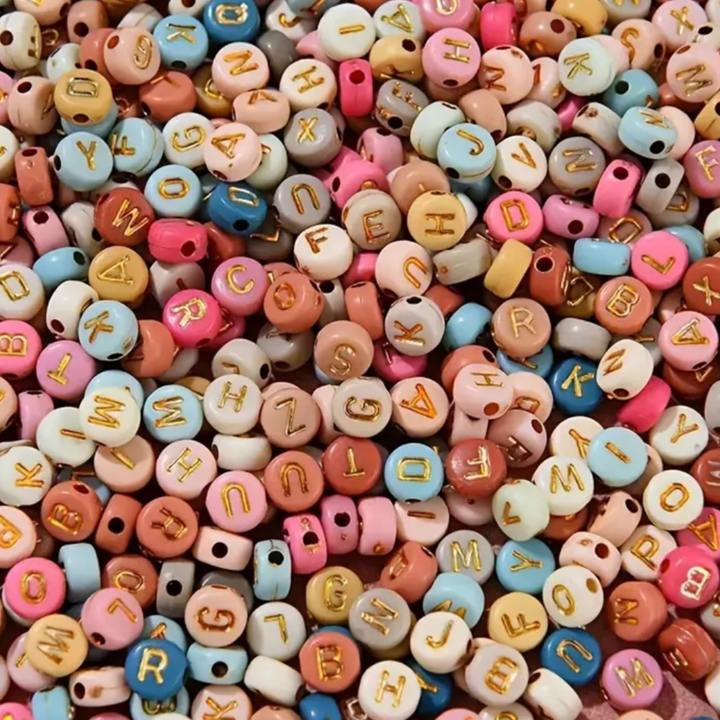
163, 628
174, 191
455, 593
601, 257
647, 133
478, 192
414, 472
574, 387
51, 704
273, 570
692, 238
108, 330
118, 378
322, 377
465, 325
618, 456
237, 208
319, 707
574, 655
436, 690
219, 666
82, 570
539, 364
143, 674
229, 21
101, 489
632, 88
524, 566
311, 8
57, 266
101, 129
137, 146
141, 709
183, 42
83, 161
466, 152
208, 183
172, 412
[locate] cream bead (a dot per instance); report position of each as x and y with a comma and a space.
361, 407
624, 370
146, 16
680, 435
251, 453
465, 261
521, 164
644, 551
414, 325
183, 362
566, 482
712, 688
185, 137
61, 438
232, 404
439, 641
537, 120
308, 83
472, 512
274, 680
323, 252
673, 499
572, 436
25, 477
273, 165
334, 308
109, 416
466, 552
166, 278
65, 58
276, 630
286, 352
242, 357
551, 697
520, 509
424, 522
573, 596
66, 305
430, 124
600, 124
710, 617
497, 674
346, 32
505, 712
581, 337
8, 140
711, 411
22, 52
389, 690
280, 17
21, 292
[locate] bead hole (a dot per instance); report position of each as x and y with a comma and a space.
57, 326
453, 173
357, 77
241, 225
79, 691
78, 119
620, 173
557, 26
97, 638
621, 393
29, 152
81, 29
544, 264
504, 182
264, 371
81, 488
116, 525
705, 30
489, 357
575, 227
409, 46
602, 551
536, 426
621, 87
173, 588
413, 300
631, 505
187, 248
79, 258
6, 37
219, 550
342, 519
657, 147
276, 558
395, 122
113, 42
491, 409
40, 217
662, 181
310, 539
218, 669
327, 286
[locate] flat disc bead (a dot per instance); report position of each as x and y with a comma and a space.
483, 391
659, 259
566, 482
585, 67
688, 340
616, 679
521, 327
680, 435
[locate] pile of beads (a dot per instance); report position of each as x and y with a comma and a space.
312, 175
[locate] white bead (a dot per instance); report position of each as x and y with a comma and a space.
673, 499
185, 136
414, 325
514, 711
653, 198
472, 512
146, 16
79, 223
585, 67
274, 680
521, 164
65, 58
22, 30
232, 404
346, 32
21, 292
464, 427
323, 252
430, 124
471, 210
581, 337
299, 75
249, 452
566, 482
399, 17
166, 279
66, 305
439, 641
323, 397
600, 124
361, 407
497, 674
625, 369
644, 551
280, 17
710, 617
551, 697
532, 394
573, 596
712, 688
711, 411
424, 522
8, 140
286, 352
25, 476
110, 416
465, 261
242, 357
180, 7
537, 118
60, 436
4, 678
389, 690
520, 510
273, 165
572, 436
334, 308
183, 362
277, 630
466, 552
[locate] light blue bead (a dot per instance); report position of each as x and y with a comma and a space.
647, 133
95, 654
574, 655
169, 630
52, 704
539, 364
101, 489
466, 152
83, 161
478, 192
465, 325
229, 21
692, 238
574, 386
183, 42
601, 257
148, 709
219, 666
82, 570
436, 690
311, 8
174, 191
108, 330
618, 456
237, 208
118, 378
524, 566
137, 146
273, 570
101, 129
57, 266
414, 472
632, 88
322, 377
455, 593
164, 409
152, 654
319, 707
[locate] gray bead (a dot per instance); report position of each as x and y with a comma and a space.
575, 165
302, 201
397, 105
312, 138
466, 552
279, 50
175, 586
380, 619
271, 243
239, 583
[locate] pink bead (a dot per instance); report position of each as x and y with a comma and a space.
33, 406
483, 391
233, 327
379, 526
688, 340
109, 716
35, 587
193, 318
306, 539
240, 284
236, 501
382, 148
568, 218
703, 63
238, 68
44, 229
6, 85
700, 163
515, 215
21, 672
616, 189
392, 366
112, 619
568, 109
351, 177
177, 241
498, 25
659, 259
185, 468
64, 370
619, 676
702, 533
339, 519
451, 57
19, 536
233, 152
458, 713
310, 46
15, 711
21, 253
355, 85
20, 346
362, 269
439, 14
688, 577
677, 33
644, 410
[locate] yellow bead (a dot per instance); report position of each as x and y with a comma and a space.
581, 293
330, 593
508, 269
589, 15
707, 122
437, 220
518, 620
56, 645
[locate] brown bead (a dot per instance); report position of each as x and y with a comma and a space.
167, 527
84, 17
210, 101
410, 571
691, 384
549, 275
412, 180
221, 245
71, 511
329, 661
581, 295
293, 303
168, 94
688, 650
447, 300
123, 217
134, 574
117, 524
52, 38
485, 110
546, 34
521, 327
623, 304
46, 544
476, 468
293, 481
92, 56
153, 353
34, 179
351, 465
460, 358
275, 270
561, 527
706, 470
701, 286
126, 99
636, 611
10, 212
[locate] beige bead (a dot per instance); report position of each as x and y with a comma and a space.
329, 594
43, 650
437, 220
